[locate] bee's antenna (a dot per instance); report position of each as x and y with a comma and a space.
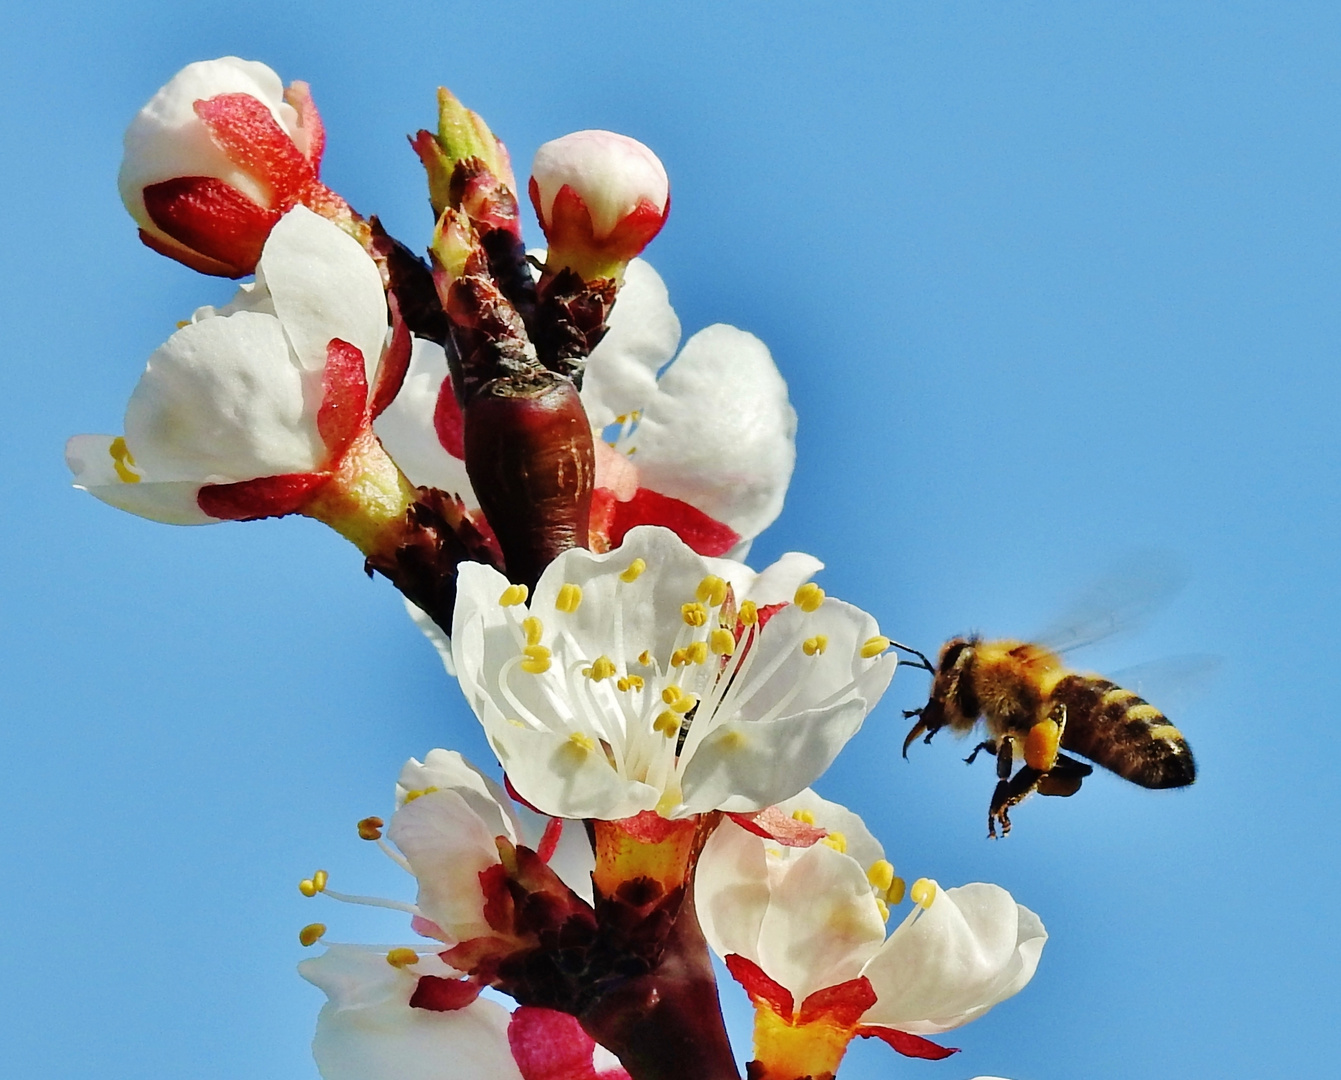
925, 664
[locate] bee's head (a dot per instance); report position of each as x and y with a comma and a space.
941, 707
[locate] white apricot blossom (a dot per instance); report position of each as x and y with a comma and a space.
803, 929
654, 678
237, 393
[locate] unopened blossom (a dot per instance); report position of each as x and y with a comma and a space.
217, 157
600, 198
706, 448
653, 678
803, 929
261, 407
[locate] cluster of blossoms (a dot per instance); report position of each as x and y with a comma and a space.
564, 502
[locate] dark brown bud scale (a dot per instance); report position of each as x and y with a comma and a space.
531, 461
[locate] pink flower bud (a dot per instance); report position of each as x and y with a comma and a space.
216, 158
601, 198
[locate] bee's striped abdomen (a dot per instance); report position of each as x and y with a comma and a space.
1122, 732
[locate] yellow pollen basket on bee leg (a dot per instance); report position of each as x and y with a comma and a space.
1041, 745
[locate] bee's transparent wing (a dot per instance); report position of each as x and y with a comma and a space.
1171, 682
1123, 599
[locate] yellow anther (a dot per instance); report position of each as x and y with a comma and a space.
668, 723
671, 694
711, 590
310, 934
514, 595
537, 660
410, 796
182, 324
402, 958
805, 817
645, 658
883, 908
732, 740
749, 613
601, 668
881, 874
809, 597
583, 742
630, 682
122, 462
679, 658
370, 828
873, 647
569, 597
319, 880
634, 571
923, 892
534, 630
897, 887
815, 646
313, 885
684, 703
697, 651
722, 642
694, 614
837, 841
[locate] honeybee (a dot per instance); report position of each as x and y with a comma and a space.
1035, 706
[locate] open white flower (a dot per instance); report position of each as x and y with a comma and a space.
274, 385
653, 678
803, 929
368, 1031
707, 449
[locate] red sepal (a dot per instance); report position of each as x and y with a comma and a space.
550, 840
768, 611
649, 827
299, 95
437, 994
448, 422
395, 361
212, 218
773, 824
761, 988
184, 255
343, 413
499, 907
705, 535
549, 1045
913, 1046
507, 786
266, 496
569, 225
247, 132
843, 1003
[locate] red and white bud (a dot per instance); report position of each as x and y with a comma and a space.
601, 198
217, 157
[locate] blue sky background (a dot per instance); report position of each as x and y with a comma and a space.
1050, 282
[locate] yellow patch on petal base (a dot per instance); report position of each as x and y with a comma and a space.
646, 847
785, 1050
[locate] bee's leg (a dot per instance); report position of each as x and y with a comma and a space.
1010, 792
918, 728
1005, 758
1064, 777
987, 745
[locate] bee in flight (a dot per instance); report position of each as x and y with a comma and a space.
1035, 706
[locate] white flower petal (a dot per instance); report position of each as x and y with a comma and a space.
621, 374
367, 1030
172, 502
323, 285
748, 765
720, 432
611, 173
822, 922
447, 770
406, 427
971, 949
861, 843
731, 890
222, 401
167, 139
447, 845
